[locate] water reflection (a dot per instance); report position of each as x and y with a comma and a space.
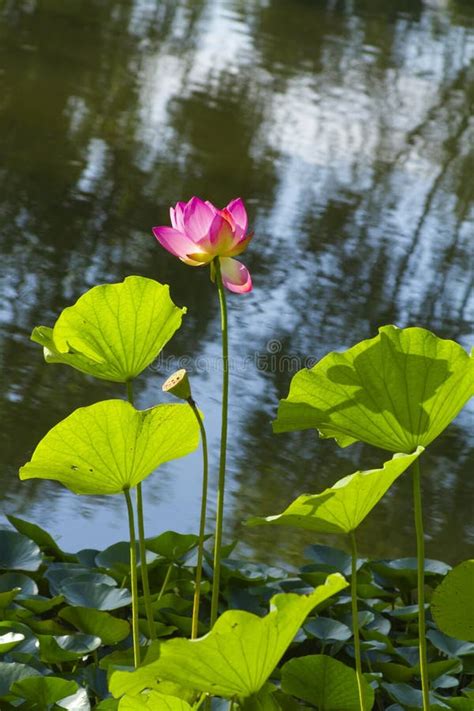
348, 129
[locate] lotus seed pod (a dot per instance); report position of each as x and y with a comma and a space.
178, 385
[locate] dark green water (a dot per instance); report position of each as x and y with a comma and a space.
346, 126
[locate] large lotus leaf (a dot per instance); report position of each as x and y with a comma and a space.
43, 691
17, 552
342, 507
113, 331
411, 698
110, 446
325, 682
452, 602
153, 701
396, 391
238, 655
110, 629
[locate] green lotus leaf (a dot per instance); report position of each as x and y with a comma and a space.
173, 546
153, 701
10, 581
9, 640
342, 507
328, 630
10, 672
113, 331
237, 656
452, 602
41, 537
65, 648
43, 691
39, 604
98, 596
325, 682
96, 622
397, 391
76, 702
411, 699
6, 598
109, 447
17, 552
117, 558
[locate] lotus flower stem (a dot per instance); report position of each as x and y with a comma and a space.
202, 523
420, 552
355, 622
141, 543
223, 453
133, 578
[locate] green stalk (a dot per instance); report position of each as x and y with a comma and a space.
223, 454
355, 622
141, 544
202, 524
165, 581
133, 578
420, 552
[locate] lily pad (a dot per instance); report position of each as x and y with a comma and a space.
98, 596
110, 629
328, 630
452, 602
43, 691
12, 672
324, 682
342, 507
172, 545
17, 552
238, 655
113, 331
110, 446
397, 391
41, 537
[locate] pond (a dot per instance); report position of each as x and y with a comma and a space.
347, 128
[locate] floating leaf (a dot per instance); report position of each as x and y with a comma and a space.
328, 630
173, 546
238, 655
76, 702
410, 698
65, 648
11, 672
96, 622
117, 558
10, 581
452, 602
43, 691
396, 391
41, 537
403, 571
325, 682
110, 446
9, 640
342, 507
153, 701
448, 645
113, 331
98, 596
17, 552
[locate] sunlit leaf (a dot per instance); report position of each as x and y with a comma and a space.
110, 446
110, 629
153, 701
113, 331
342, 507
325, 682
76, 702
238, 655
17, 552
396, 391
452, 602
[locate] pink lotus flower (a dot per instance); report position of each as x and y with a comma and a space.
201, 232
